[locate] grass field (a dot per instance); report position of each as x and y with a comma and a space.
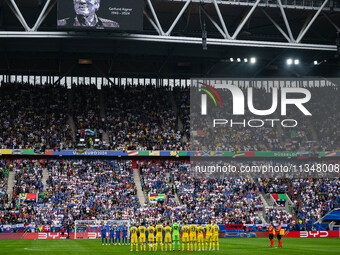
233, 246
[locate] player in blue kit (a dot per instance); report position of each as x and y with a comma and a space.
112, 235
103, 234
125, 234
118, 234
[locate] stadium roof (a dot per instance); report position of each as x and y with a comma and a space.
153, 52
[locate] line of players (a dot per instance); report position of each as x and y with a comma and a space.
153, 236
118, 234
192, 236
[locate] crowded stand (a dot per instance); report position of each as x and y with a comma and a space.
273, 186
105, 189
216, 199
3, 183
142, 118
235, 137
279, 215
81, 189
313, 133
318, 132
312, 198
318, 197
182, 99
86, 113
146, 117
326, 119
155, 181
28, 175
154, 176
34, 117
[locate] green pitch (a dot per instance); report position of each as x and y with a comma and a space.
232, 246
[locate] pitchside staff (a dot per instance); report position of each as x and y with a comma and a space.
280, 232
271, 234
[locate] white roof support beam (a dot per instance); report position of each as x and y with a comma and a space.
221, 20
277, 26
17, 13
178, 17
218, 22
305, 24
214, 22
286, 21
155, 17
244, 21
331, 21
152, 22
302, 5
167, 39
311, 22
43, 14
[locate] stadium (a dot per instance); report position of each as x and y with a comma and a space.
208, 126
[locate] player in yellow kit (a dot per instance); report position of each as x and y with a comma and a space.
200, 231
193, 235
159, 236
142, 241
208, 236
215, 231
151, 237
185, 236
133, 236
167, 238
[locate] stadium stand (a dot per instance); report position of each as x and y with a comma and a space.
107, 107
278, 215
34, 117
215, 199
305, 137
149, 118
104, 189
28, 176
138, 117
318, 196
142, 118
3, 184
86, 113
154, 177
90, 189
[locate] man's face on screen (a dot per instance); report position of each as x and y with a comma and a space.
86, 7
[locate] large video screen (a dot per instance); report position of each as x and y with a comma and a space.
100, 14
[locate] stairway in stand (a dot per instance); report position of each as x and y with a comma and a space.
45, 176
137, 180
134, 164
10, 185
